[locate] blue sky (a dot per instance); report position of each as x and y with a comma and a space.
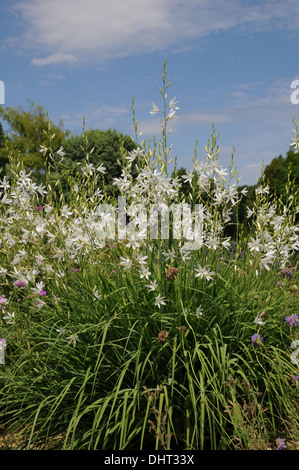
231, 62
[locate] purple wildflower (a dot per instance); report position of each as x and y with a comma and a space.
292, 320
20, 283
281, 443
257, 339
286, 272
43, 292
3, 300
296, 377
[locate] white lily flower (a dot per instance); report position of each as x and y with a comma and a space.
154, 110
73, 338
159, 300
258, 320
152, 285
204, 273
101, 168
125, 262
60, 152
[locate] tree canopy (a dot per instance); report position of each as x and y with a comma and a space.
278, 173
101, 147
27, 132
3, 156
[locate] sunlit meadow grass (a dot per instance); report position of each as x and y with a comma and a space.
108, 347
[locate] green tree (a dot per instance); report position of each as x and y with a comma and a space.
2, 136
28, 131
100, 147
279, 172
247, 202
3, 153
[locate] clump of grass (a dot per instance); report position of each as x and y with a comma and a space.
92, 324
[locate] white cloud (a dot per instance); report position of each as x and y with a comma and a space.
67, 30
58, 58
101, 117
204, 117
253, 165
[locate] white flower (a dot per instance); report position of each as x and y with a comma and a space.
39, 287
60, 152
10, 318
249, 213
65, 211
88, 169
185, 254
226, 243
152, 285
133, 243
5, 184
125, 262
73, 338
96, 293
171, 114
173, 103
98, 193
255, 245
43, 148
221, 172
169, 255
101, 168
188, 177
212, 243
135, 153
144, 272
60, 331
39, 259
295, 144
159, 300
141, 259
199, 312
154, 110
5, 199
41, 189
258, 320
219, 198
204, 273
261, 190
267, 259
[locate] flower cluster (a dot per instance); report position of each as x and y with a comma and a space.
257, 339
281, 444
292, 320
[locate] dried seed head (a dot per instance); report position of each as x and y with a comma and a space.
163, 335
182, 328
171, 273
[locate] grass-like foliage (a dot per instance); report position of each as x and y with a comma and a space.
140, 342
